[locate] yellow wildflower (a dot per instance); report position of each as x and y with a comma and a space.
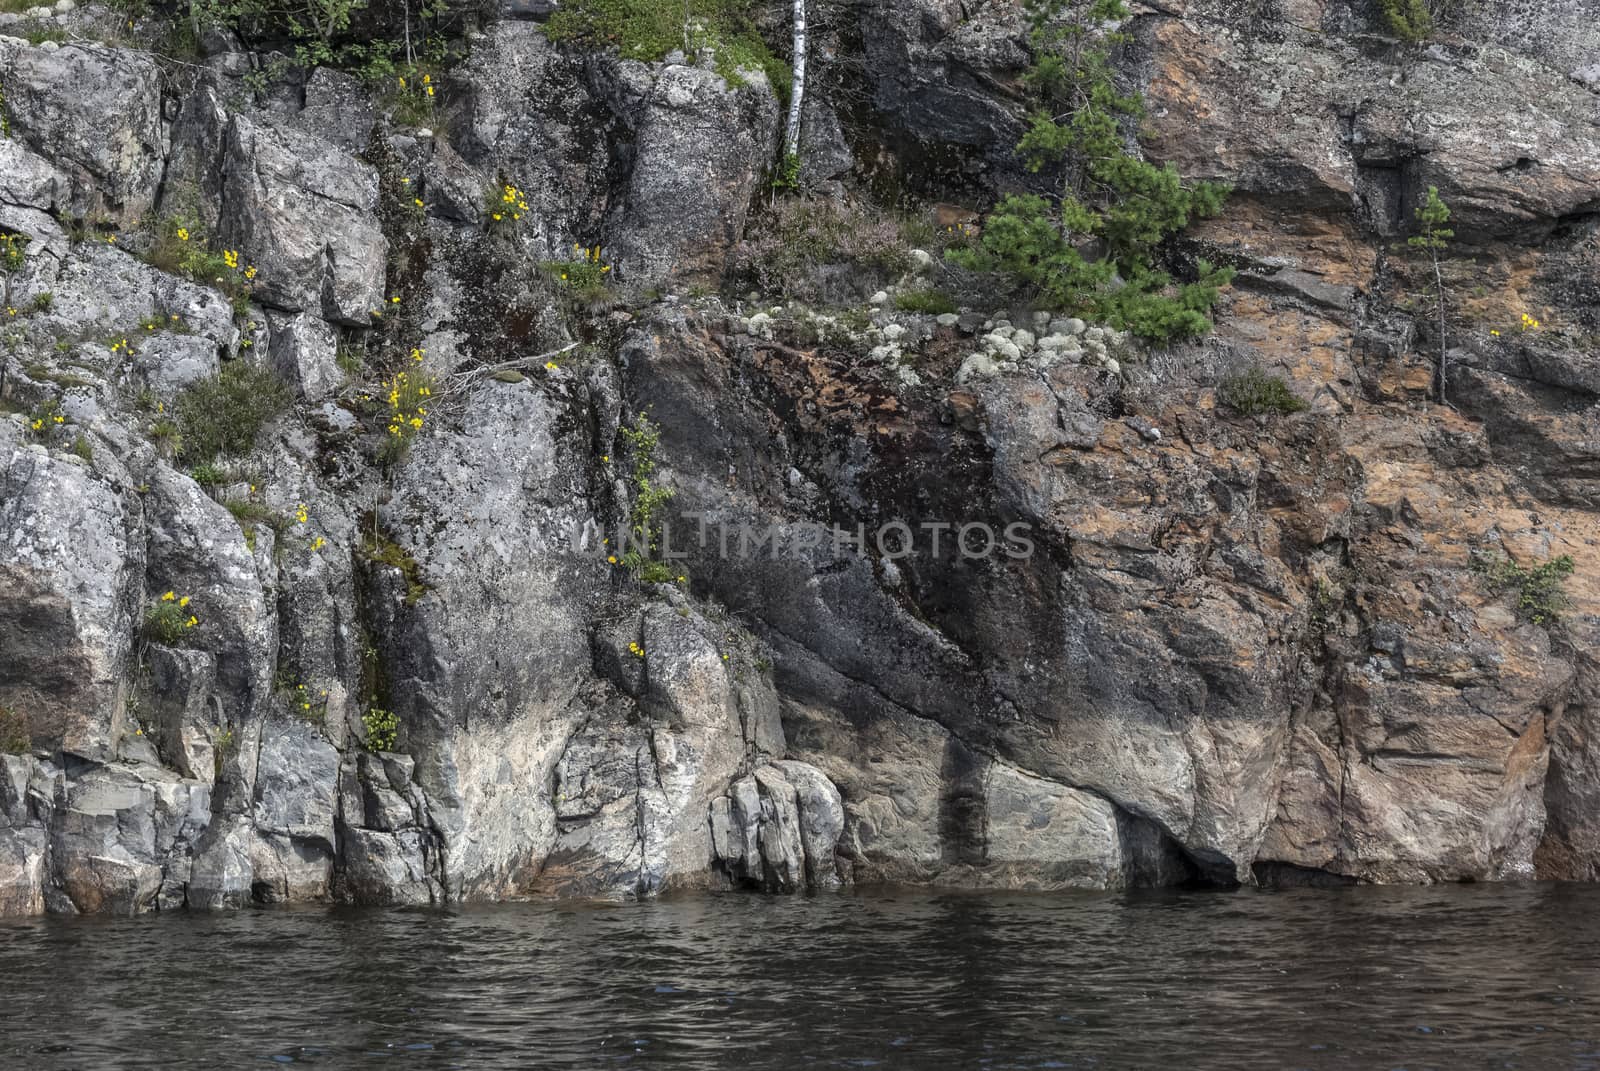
169, 596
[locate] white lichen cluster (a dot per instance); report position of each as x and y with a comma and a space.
1005, 348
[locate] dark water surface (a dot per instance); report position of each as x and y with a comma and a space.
1448, 977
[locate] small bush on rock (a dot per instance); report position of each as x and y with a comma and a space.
644, 522
650, 29
930, 302
1540, 591
225, 413
1252, 392
797, 248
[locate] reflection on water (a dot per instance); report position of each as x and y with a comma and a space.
1446, 977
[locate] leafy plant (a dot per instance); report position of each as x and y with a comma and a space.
1252, 391
382, 726
1106, 193
225, 413
408, 396
1540, 591
644, 524
169, 621
223, 747
179, 246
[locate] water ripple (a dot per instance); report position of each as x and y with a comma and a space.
1445, 977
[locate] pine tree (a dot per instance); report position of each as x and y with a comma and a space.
1434, 239
1105, 192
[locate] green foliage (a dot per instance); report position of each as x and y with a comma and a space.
1409, 20
644, 524
15, 736
1540, 593
208, 475
1130, 205
303, 702
650, 29
1252, 391
787, 176
383, 728
931, 302
504, 206
407, 396
81, 447
1432, 217
169, 620
584, 274
46, 420
223, 415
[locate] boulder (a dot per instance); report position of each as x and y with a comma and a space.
94, 112
301, 211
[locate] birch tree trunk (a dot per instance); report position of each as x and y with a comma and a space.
791, 139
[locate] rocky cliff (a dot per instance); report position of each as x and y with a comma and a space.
377, 642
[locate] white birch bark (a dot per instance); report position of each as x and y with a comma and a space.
791, 140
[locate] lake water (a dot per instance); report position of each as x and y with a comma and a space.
1446, 977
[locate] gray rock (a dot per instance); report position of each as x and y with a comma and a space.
304, 350
301, 211
70, 568
95, 112
677, 223
338, 109
181, 709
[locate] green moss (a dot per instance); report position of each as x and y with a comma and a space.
381, 550
1253, 391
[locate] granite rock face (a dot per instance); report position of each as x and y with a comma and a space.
430, 662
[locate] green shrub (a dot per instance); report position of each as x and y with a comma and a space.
383, 728
1132, 207
1409, 20
1252, 391
931, 302
225, 413
1540, 591
15, 736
